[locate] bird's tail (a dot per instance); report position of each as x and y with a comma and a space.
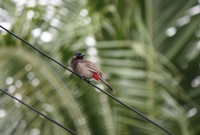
106, 83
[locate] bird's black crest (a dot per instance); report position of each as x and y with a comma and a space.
78, 54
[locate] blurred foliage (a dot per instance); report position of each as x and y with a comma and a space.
148, 51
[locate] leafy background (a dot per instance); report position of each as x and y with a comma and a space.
148, 51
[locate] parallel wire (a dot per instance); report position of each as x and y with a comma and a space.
50, 119
127, 106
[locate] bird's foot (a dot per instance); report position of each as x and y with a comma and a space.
81, 77
88, 81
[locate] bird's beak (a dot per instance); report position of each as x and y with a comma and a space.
82, 55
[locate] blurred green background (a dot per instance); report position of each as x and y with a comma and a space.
147, 49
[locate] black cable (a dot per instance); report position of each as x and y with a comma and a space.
60, 125
140, 114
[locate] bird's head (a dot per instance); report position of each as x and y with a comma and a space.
78, 55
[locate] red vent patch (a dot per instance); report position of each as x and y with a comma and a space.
96, 76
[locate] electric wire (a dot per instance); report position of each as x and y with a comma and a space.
127, 106
50, 119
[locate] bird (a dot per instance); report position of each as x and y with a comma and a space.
87, 70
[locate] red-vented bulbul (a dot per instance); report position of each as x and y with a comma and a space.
86, 69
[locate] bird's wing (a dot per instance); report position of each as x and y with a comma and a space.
92, 67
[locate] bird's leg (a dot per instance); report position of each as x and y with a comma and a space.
81, 77
87, 80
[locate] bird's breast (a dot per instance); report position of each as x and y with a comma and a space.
81, 69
